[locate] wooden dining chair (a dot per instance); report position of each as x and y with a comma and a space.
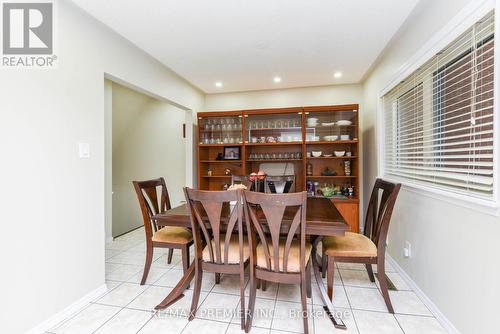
367, 248
167, 237
282, 254
215, 217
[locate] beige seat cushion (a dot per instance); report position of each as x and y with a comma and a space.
293, 255
233, 247
350, 245
173, 234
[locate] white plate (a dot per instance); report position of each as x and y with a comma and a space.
328, 124
344, 123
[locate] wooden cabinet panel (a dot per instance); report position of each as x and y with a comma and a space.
350, 212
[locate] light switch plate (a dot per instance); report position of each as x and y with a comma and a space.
84, 150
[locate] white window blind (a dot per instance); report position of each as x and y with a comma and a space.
439, 120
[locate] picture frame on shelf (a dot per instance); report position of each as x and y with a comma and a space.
232, 153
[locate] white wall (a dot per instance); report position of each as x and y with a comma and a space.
278, 98
52, 203
454, 249
147, 144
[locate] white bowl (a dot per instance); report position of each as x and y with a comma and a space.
330, 138
316, 154
339, 153
345, 137
344, 123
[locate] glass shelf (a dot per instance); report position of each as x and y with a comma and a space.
220, 130
331, 126
276, 128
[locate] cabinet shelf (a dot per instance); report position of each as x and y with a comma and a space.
273, 160
334, 157
216, 176
220, 145
275, 144
353, 141
331, 177
298, 128
221, 161
330, 126
221, 130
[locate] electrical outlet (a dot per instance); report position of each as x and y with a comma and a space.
407, 249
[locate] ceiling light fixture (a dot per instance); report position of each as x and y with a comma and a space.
277, 79
337, 74
218, 84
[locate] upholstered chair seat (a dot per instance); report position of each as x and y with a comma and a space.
350, 245
173, 234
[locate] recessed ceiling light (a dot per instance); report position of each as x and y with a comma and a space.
277, 79
337, 74
218, 84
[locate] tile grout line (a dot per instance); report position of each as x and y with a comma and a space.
348, 300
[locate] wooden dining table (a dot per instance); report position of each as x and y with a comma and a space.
322, 219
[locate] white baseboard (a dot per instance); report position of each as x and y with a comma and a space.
447, 325
68, 311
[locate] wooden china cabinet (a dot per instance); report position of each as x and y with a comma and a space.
319, 144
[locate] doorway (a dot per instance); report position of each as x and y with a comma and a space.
145, 140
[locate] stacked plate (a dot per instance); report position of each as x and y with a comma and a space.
344, 123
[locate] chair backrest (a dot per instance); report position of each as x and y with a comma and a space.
268, 213
275, 182
150, 203
221, 212
378, 216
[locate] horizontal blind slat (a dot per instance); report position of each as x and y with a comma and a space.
439, 121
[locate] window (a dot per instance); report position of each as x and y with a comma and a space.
439, 120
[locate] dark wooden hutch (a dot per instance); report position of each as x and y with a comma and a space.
289, 136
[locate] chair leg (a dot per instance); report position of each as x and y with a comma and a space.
324, 263
198, 275
257, 283
147, 265
170, 254
242, 296
330, 276
251, 300
303, 299
217, 278
264, 285
369, 269
383, 284
308, 279
185, 259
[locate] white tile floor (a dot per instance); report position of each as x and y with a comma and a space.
127, 306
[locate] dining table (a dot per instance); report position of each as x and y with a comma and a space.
322, 219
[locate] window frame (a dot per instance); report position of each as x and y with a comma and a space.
462, 22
